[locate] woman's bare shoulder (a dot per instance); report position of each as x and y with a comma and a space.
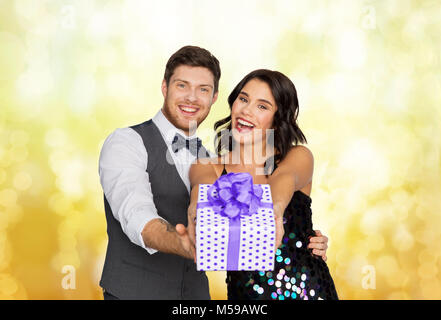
299, 154
204, 169
299, 159
299, 162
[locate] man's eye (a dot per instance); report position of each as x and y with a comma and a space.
181, 85
204, 89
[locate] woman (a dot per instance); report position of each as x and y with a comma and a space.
262, 101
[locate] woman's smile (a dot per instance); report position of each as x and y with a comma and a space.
244, 126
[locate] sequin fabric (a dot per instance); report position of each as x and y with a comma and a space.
298, 274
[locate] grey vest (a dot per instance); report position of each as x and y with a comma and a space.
130, 272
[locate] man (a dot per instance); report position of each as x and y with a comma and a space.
146, 194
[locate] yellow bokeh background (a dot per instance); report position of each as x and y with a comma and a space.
368, 76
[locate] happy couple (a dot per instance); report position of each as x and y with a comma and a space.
150, 201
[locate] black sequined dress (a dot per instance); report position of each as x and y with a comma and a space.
298, 274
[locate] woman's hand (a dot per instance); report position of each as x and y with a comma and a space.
278, 217
293, 173
280, 231
201, 172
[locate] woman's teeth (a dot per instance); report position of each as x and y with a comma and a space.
244, 124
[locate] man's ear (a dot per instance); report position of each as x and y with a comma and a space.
214, 97
164, 88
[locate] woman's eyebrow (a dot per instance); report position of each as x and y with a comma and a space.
266, 101
263, 100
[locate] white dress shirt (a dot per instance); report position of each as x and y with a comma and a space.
125, 182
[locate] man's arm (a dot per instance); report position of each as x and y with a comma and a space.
164, 237
126, 185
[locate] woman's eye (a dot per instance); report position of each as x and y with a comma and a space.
261, 106
243, 99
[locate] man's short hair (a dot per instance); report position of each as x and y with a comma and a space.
195, 57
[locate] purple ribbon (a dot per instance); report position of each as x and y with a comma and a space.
234, 196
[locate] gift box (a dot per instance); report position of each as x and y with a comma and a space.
235, 227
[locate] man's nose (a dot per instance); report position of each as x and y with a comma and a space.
191, 95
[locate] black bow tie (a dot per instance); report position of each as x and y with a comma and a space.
193, 145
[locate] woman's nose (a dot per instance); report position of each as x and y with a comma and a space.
247, 109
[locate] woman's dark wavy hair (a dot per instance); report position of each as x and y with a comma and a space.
286, 131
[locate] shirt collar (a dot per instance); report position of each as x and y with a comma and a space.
167, 129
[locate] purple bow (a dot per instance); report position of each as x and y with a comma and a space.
234, 195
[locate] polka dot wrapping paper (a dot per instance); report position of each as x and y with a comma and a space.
243, 243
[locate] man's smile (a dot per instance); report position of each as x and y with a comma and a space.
188, 110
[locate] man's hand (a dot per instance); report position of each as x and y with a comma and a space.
319, 244
162, 236
186, 242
